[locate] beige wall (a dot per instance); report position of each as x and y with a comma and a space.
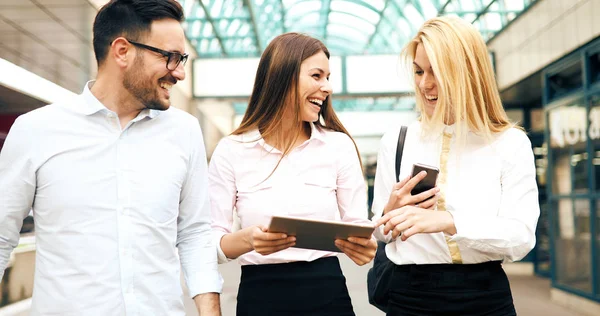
217, 120
546, 32
181, 94
18, 277
21, 280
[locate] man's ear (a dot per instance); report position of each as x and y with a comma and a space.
120, 51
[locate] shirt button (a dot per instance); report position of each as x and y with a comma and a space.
111, 115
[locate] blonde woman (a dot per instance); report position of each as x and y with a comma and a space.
448, 255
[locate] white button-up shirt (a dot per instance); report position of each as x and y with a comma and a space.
111, 208
319, 179
490, 190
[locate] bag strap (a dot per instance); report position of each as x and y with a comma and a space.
399, 150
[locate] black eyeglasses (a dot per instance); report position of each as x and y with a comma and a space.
173, 58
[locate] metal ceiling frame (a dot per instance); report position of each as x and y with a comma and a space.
253, 23
214, 26
255, 30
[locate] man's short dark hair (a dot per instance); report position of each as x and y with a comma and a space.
130, 19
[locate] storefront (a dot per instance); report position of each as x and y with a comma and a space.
571, 99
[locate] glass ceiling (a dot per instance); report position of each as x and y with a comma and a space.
243, 28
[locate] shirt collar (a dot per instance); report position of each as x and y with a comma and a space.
451, 129
92, 105
317, 133
253, 137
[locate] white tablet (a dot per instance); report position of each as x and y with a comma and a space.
318, 234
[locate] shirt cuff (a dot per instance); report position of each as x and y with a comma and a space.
209, 280
221, 257
461, 223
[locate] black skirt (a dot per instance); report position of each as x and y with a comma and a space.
450, 289
297, 288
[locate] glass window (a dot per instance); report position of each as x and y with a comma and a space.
572, 243
594, 64
537, 120
565, 81
594, 133
597, 259
568, 147
515, 115
542, 247
541, 164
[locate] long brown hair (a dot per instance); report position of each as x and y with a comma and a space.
275, 92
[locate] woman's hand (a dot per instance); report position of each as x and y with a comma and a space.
410, 220
360, 250
401, 196
267, 243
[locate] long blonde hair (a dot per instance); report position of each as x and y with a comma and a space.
467, 89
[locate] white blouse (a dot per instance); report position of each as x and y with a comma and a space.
320, 179
489, 187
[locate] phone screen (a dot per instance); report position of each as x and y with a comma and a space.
428, 182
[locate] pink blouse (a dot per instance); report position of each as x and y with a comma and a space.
320, 179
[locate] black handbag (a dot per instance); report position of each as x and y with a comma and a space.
380, 275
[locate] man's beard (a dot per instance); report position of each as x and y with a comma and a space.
141, 87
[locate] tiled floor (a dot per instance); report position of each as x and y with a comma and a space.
532, 297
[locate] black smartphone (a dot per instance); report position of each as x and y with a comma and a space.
428, 182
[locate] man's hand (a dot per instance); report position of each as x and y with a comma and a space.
208, 304
401, 196
410, 220
360, 250
267, 243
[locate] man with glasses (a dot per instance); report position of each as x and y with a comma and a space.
173, 58
116, 179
